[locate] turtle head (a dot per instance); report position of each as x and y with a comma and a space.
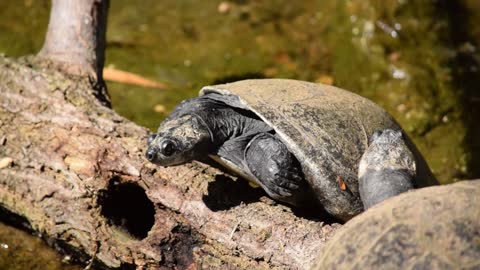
178, 141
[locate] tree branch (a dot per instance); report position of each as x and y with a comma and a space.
76, 36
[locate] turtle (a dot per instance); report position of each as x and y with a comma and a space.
430, 228
302, 142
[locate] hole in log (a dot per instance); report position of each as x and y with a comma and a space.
126, 206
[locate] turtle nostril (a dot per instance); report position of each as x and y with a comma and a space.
151, 153
167, 148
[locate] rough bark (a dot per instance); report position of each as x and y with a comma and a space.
80, 179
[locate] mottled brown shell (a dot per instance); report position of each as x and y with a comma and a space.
325, 127
430, 228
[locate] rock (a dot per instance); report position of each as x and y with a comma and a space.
6, 162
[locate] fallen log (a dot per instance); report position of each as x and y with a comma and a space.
79, 178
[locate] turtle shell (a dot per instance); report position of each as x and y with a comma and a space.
430, 228
325, 127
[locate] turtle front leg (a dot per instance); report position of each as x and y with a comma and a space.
277, 169
387, 168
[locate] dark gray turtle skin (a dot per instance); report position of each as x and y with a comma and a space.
430, 228
387, 157
299, 141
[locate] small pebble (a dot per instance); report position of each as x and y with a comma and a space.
445, 119
401, 107
224, 7
399, 74
4, 246
325, 79
5, 162
394, 56
270, 72
159, 108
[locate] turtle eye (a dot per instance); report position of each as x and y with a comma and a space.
151, 138
167, 148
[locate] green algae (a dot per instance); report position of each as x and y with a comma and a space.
402, 60
23, 25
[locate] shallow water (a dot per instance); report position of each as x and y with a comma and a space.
20, 250
404, 55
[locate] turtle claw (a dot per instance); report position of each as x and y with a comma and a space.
290, 179
275, 167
